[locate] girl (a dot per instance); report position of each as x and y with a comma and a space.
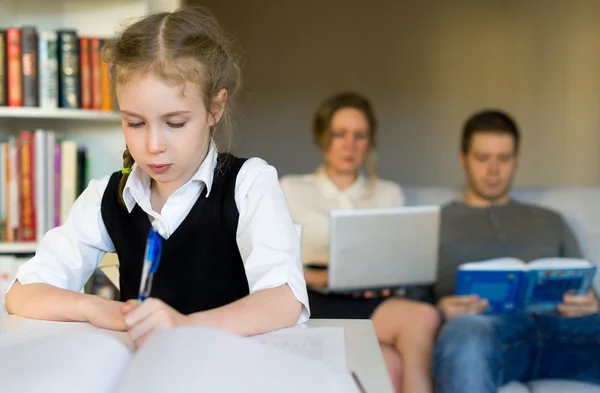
344, 130
231, 255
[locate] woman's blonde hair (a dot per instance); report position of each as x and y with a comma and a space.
322, 127
187, 45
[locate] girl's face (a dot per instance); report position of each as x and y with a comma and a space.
167, 128
349, 141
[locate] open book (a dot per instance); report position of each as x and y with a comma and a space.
76, 358
510, 285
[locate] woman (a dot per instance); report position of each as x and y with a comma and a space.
344, 130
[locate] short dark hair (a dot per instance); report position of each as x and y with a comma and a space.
494, 121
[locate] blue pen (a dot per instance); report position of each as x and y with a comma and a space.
151, 261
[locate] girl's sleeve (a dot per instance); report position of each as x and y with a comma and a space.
68, 255
266, 235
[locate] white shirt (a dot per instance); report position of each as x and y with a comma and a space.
313, 196
266, 236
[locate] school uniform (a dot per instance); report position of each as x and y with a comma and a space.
311, 198
227, 233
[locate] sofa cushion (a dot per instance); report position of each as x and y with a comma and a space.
561, 386
514, 387
549, 386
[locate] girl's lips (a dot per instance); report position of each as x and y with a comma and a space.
162, 168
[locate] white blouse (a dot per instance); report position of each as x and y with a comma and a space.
266, 236
313, 196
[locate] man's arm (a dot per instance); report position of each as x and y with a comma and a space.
569, 247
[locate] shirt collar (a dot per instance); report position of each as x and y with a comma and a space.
356, 191
138, 182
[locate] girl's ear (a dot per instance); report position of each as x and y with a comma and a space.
218, 107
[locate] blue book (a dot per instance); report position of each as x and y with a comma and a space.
510, 285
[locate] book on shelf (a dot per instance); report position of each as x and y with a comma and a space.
13, 65
41, 178
511, 285
53, 69
3, 96
29, 66
48, 70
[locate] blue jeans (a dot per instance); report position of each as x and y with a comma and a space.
479, 353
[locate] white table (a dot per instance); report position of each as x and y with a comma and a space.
363, 355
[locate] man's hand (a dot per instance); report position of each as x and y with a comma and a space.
578, 305
457, 306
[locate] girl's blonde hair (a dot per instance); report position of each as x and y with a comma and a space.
180, 47
322, 127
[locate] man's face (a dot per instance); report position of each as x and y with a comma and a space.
490, 165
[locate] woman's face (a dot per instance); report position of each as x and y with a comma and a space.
349, 141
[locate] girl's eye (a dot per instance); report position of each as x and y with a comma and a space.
135, 125
176, 125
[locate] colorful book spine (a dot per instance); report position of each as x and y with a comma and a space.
13, 198
96, 71
68, 178
50, 179
48, 70
13, 74
27, 216
40, 138
107, 104
69, 77
57, 183
3, 63
29, 66
7, 193
86, 81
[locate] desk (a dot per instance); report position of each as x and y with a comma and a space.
362, 352
363, 355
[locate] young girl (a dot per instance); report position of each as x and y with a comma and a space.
231, 255
344, 130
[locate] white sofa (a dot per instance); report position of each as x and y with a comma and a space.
581, 209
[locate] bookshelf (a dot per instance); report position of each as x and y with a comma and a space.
100, 132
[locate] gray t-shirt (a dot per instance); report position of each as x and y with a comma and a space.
515, 230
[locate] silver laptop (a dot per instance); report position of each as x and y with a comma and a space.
383, 248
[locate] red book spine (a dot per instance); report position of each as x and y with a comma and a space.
95, 72
27, 219
14, 77
86, 82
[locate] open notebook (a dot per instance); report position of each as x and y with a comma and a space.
75, 358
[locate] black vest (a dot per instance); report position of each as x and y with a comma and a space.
201, 267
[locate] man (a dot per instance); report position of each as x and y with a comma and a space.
478, 353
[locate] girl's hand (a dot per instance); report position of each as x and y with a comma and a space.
104, 313
149, 317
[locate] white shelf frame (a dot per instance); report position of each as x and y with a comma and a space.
59, 113
18, 247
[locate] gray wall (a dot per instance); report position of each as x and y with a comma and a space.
426, 65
